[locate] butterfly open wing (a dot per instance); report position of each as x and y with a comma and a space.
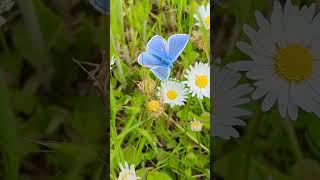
149, 60
161, 72
177, 43
158, 46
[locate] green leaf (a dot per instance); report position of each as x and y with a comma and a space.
313, 126
190, 159
146, 134
8, 134
156, 175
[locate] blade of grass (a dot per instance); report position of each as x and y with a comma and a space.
8, 134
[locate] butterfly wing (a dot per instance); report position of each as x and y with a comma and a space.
158, 46
161, 72
149, 60
100, 5
177, 43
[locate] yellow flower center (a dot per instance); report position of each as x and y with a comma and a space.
171, 94
195, 124
126, 176
207, 20
294, 63
153, 105
202, 81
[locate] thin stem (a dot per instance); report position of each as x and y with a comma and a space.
289, 129
201, 105
248, 143
198, 138
268, 169
188, 134
4, 42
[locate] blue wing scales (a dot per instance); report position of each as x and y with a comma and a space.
177, 43
148, 60
161, 72
158, 46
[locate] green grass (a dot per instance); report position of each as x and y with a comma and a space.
163, 147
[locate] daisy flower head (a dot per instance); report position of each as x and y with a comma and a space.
285, 59
227, 96
196, 125
127, 173
174, 93
198, 80
203, 16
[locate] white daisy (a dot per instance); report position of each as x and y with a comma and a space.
112, 61
173, 93
5, 5
196, 126
203, 16
199, 80
227, 96
127, 173
285, 59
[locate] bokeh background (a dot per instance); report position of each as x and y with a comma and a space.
263, 150
52, 117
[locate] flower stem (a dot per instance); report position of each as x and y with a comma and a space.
188, 134
201, 105
289, 129
4, 42
248, 142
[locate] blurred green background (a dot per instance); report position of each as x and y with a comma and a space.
52, 119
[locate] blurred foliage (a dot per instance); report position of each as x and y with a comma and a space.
264, 150
52, 120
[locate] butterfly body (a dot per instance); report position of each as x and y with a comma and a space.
160, 54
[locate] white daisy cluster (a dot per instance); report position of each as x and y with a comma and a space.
5, 5
198, 84
203, 16
127, 173
285, 59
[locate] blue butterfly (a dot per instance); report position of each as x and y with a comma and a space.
101, 5
161, 54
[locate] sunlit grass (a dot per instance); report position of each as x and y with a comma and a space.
161, 147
